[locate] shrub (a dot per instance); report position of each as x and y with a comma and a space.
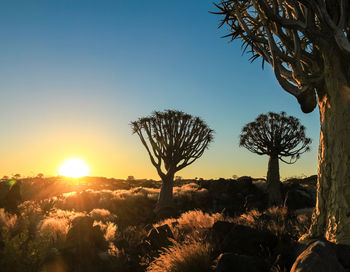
55, 229
22, 252
7, 220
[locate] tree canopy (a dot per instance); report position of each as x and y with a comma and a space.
294, 37
173, 139
275, 134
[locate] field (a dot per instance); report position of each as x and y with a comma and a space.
100, 224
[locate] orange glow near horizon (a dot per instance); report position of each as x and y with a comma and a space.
74, 168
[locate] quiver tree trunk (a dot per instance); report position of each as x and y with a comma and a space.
273, 181
331, 218
165, 205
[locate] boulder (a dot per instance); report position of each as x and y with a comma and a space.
219, 231
299, 199
228, 262
85, 240
241, 239
343, 255
319, 256
287, 257
159, 237
247, 179
165, 212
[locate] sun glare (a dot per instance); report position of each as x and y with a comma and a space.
74, 168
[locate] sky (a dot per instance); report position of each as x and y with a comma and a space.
75, 73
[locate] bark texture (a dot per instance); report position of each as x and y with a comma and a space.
165, 198
331, 218
273, 181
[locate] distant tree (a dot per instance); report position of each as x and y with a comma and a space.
278, 136
173, 140
5, 178
307, 43
40, 175
130, 178
16, 176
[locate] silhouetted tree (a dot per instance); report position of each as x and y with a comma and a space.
278, 136
173, 140
130, 178
40, 175
16, 176
308, 45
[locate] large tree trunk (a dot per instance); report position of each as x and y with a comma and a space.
331, 218
273, 181
165, 204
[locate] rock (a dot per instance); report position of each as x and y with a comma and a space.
343, 255
165, 212
228, 262
312, 180
320, 256
219, 231
235, 196
85, 240
299, 199
159, 237
243, 240
247, 179
287, 257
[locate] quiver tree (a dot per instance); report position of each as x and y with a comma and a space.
280, 137
307, 43
173, 140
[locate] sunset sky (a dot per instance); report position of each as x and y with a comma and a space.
75, 73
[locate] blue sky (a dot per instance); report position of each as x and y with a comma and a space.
74, 73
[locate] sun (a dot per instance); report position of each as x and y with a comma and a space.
74, 168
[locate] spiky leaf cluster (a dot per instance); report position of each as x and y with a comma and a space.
275, 134
173, 139
293, 36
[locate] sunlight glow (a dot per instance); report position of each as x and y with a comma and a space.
74, 168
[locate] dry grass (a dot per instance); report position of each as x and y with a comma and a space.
191, 256
55, 229
7, 221
276, 220
195, 223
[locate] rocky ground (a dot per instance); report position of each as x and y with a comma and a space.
220, 225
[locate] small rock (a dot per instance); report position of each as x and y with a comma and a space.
299, 199
245, 240
228, 262
84, 239
159, 237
